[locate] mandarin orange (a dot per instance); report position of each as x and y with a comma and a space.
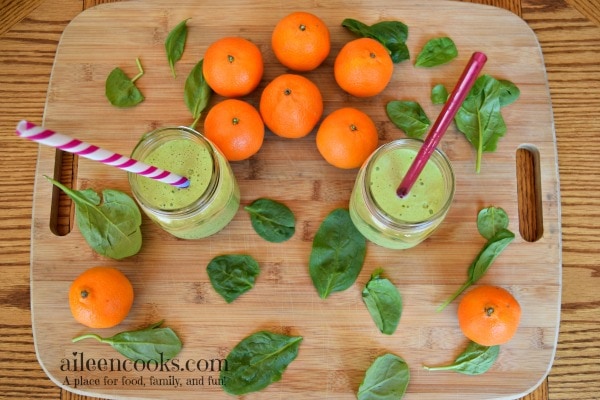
233, 66
363, 67
291, 106
301, 41
100, 297
489, 315
347, 137
236, 128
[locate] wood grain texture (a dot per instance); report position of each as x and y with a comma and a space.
27, 50
335, 351
590, 9
13, 11
568, 38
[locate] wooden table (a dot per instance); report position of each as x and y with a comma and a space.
569, 34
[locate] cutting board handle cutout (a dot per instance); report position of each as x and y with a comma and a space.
531, 224
62, 210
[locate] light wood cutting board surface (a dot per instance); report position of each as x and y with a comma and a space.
340, 339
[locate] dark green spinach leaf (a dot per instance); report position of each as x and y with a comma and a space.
439, 94
196, 92
337, 255
386, 379
392, 34
479, 117
490, 221
489, 253
384, 302
111, 225
120, 90
257, 361
475, 360
151, 343
508, 92
272, 220
436, 52
175, 44
501, 238
408, 116
232, 275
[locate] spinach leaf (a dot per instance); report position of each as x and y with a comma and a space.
479, 117
383, 301
257, 361
175, 43
392, 34
475, 360
273, 221
151, 343
232, 275
386, 379
508, 92
111, 225
439, 94
196, 92
337, 255
436, 52
120, 90
489, 220
489, 253
408, 116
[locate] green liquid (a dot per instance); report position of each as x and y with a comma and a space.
414, 217
180, 211
426, 197
184, 158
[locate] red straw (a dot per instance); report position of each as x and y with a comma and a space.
440, 126
50, 138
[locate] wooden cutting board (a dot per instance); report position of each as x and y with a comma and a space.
340, 339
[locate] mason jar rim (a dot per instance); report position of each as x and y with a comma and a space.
150, 141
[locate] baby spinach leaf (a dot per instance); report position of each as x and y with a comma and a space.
337, 254
408, 116
490, 221
383, 301
501, 238
120, 90
508, 92
479, 117
111, 225
196, 92
257, 361
392, 34
386, 379
273, 221
232, 275
439, 94
475, 360
151, 343
489, 253
175, 43
436, 52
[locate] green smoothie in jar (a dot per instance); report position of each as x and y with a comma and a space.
212, 198
394, 222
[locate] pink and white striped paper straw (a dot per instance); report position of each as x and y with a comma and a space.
29, 130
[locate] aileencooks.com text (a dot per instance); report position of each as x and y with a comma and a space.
80, 363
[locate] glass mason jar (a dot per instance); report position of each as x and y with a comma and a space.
394, 222
212, 198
